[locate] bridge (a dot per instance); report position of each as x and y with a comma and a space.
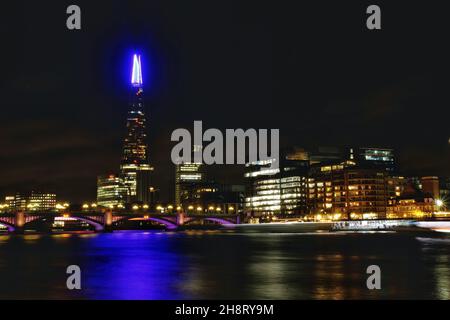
104, 221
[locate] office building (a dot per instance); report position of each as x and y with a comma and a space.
347, 191
188, 178
380, 158
280, 191
33, 201
111, 191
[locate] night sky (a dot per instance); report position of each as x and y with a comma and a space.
312, 70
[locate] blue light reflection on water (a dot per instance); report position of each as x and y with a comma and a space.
223, 265
118, 269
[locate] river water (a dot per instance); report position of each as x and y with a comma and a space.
225, 265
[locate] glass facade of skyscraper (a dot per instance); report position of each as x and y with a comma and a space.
135, 169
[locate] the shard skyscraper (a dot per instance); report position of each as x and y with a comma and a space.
135, 167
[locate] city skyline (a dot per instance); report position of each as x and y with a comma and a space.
75, 105
224, 159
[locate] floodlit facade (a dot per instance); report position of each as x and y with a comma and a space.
413, 207
419, 198
111, 191
276, 191
335, 183
346, 191
188, 176
33, 201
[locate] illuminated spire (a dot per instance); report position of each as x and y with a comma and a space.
136, 76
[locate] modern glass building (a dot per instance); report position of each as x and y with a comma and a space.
374, 158
111, 191
135, 169
188, 176
281, 191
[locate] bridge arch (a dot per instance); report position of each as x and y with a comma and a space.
98, 226
221, 221
170, 225
9, 226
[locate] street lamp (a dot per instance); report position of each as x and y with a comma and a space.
439, 203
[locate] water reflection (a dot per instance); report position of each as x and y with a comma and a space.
224, 265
